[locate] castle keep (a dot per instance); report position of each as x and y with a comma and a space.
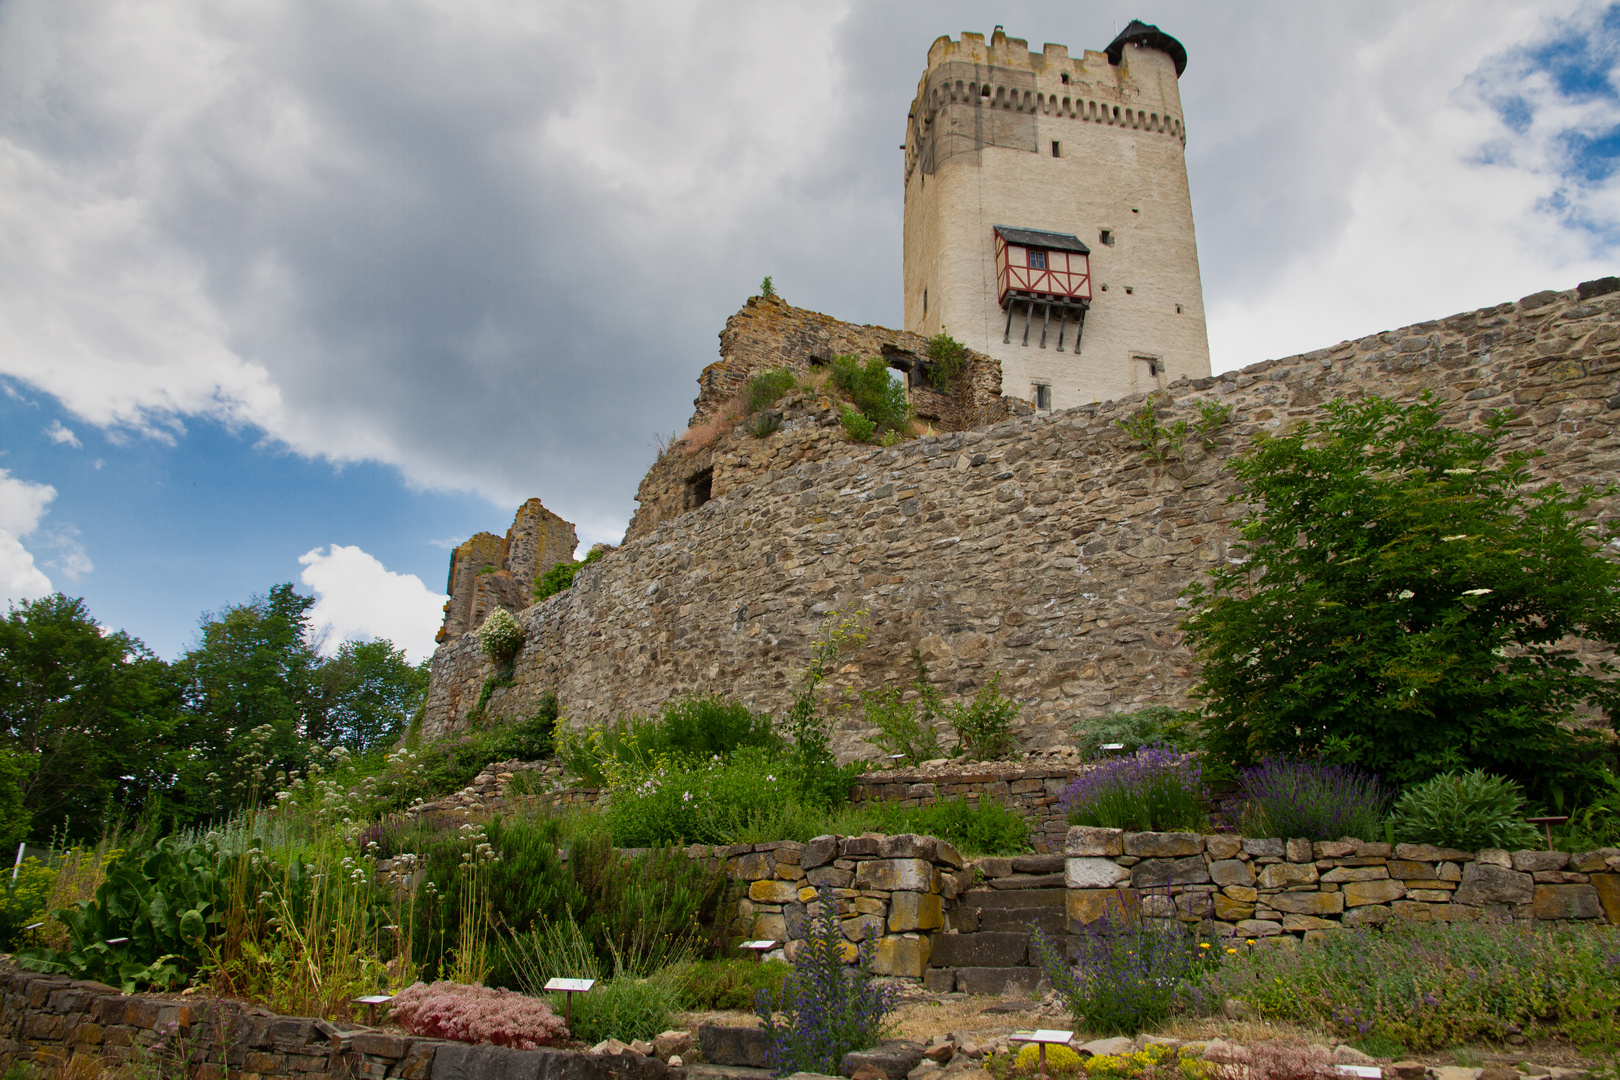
1048, 221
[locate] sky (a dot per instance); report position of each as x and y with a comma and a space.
312, 290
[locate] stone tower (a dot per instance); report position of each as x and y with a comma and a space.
1048, 221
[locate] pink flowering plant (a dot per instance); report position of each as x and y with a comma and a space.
477, 1014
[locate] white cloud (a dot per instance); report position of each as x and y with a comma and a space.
63, 436
22, 505
356, 597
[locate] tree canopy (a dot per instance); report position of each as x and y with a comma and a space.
1409, 601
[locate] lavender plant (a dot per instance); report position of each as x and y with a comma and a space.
1292, 797
1154, 789
1126, 971
829, 1008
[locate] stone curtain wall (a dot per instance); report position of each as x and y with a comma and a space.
49, 1020
1043, 547
1263, 888
537, 541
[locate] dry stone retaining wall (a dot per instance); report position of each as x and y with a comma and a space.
1043, 547
1032, 792
1264, 888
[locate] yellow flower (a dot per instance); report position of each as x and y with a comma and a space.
1231, 950
1203, 944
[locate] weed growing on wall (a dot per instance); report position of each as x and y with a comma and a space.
561, 576
500, 636
879, 401
948, 361
1406, 601
815, 774
984, 724
906, 727
767, 388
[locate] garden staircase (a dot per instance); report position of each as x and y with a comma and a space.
989, 950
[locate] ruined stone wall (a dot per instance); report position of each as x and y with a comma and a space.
1042, 547
768, 334
487, 572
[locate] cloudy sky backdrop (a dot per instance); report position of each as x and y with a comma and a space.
310, 290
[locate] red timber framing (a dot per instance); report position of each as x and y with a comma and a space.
1045, 269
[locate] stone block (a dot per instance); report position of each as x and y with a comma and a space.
984, 949
1366, 916
853, 846
1223, 846
1194, 907
1334, 849
1585, 862
897, 875
1608, 890
1230, 910
819, 852
1566, 902
1029, 881
1258, 928
1094, 873
749, 1047
770, 925
916, 911
906, 846
848, 951
1038, 864
670, 1042
773, 892
1341, 874
1528, 862
998, 980
1158, 873
1407, 870
994, 866
1298, 850
899, 954
1086, 906
1430, 853
1231, 872
1084, 840
1293, 923
1494, 857
1162, 845
1263, 848
830, 877
986, 898
1429, 896
1282, 875
1307, 903
1358, 893
1483, 883
862, 927
1243, 894
892, 1059
939, 980
752, 866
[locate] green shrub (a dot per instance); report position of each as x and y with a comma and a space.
767, 388
762, 426
686, 731
949, 361
23, 900
622, 1008
1469, 811
1408, 603
561, 576
450, 763
1432, 985
985, 828
856, 425
501, 635
905, 727
985, 724
706, 803
879, 400
1156, 725
728, 984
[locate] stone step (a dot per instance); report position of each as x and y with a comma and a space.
1014, 898
993, 980
702, 1070
985, 949
1050, 920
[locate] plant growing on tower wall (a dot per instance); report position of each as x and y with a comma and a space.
501, 636
949, 361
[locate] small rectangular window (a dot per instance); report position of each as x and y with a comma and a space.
1037, 260
1043, 396
1055, 149
1065, 78
1106, 237
925, 303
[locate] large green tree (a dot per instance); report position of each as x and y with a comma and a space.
372, 691
84, 717
1408, 600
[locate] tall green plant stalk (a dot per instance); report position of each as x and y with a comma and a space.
811, 753
471, 961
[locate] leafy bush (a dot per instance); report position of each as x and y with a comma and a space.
830, 1009
1152, 790
1288, 797
767, 388
561, 576
765, 424
709, 803
1126, 970
477, 1014
1408, 603
1469, 811
987, 828
1429, 985
1156, 725
905, 727
686, 731
500, 636
23, 900
949, 361
729, 984
879, 400
625, 1008
451, 763
985, 724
